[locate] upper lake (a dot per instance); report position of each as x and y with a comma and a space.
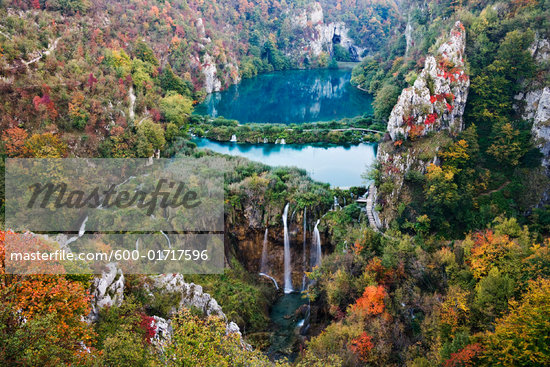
293, 96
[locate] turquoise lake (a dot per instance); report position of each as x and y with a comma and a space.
293, 96
340, 166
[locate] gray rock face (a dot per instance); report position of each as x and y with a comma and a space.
192, 295
107, 290
536, 107
163, 332
437, 99
435, 103
322, 35
540, 49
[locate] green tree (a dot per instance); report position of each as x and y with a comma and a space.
176, 108
150, 138
492, 295
171, 82
204, 342
507, 147
384, 100
144, 53
521, 338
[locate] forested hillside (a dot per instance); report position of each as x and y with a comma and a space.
96, 77
444, 262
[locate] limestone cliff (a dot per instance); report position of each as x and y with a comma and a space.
218, 72
437, 99
425, 118
318, 36
108, 290
536, 107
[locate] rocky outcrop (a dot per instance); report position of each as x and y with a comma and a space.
107, 290
211, 81
437, 99
427, 114
189, 295
319, 36
536, 108
214, 80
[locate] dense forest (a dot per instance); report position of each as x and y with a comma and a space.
457, 271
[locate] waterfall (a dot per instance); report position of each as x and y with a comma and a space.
304, 253
137, 244
233, 138
81, 232
316, 247
288, 265
263, 264
167, 239
272, 279
283, 141
265, 141
131, 111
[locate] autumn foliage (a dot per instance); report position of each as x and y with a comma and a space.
33, 301
361, 346
371, 303
465, 357
488, 250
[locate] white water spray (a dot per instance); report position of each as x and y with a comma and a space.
167, 239
288, 265
81, 232
304, 253
316, 247
272, 279
263, 264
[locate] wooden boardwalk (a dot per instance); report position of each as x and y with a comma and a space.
370, 200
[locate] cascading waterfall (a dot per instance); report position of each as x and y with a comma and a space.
81, 232
167, 239
288, 265
263, 264
316, 246
233, 138
304, 253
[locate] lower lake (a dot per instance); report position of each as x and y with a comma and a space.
340, 166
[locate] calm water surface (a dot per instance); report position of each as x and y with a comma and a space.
341, 166
294, 96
